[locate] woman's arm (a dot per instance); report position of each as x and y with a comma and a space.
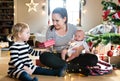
78, 51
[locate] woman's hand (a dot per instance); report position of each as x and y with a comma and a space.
28, 70
77, 52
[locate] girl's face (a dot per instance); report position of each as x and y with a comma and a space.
58, 21
24, 36
79, 36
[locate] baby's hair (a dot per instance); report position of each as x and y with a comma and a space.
81, 31
17, 28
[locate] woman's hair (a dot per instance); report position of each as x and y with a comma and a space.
62, 12
17, 28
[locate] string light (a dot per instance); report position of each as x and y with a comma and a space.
43, 7
32, 6
83, 2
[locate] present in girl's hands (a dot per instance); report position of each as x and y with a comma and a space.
46, 44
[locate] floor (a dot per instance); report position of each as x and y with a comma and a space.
4, 58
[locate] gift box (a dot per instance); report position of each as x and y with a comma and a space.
38, 63
46, 44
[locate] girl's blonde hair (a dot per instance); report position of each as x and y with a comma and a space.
18, 28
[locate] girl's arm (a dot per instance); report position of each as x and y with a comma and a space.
34, 52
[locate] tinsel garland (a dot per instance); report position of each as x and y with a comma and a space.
106, 38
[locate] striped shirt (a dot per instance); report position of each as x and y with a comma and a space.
19, 57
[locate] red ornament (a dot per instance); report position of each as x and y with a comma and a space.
119, 1
118, 47
116, 15
90, 44
110, 53
105, 14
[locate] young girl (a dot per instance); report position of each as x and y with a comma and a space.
20, 65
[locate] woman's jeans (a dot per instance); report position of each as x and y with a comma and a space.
86, 59
52, 60
82, 61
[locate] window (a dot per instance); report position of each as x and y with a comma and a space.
73, 8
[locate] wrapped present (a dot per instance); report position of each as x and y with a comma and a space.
4, 44
102, 57
38, 63
46, 44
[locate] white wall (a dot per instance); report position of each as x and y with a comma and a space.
36, 20
93, 15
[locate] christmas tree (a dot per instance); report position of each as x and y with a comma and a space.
111, 11
104, 39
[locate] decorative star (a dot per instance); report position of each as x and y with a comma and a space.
32, 6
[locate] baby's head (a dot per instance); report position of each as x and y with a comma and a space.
79, 35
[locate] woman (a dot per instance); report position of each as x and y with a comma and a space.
62, 33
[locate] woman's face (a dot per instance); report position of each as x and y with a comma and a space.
58, 21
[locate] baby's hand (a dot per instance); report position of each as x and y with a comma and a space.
63, 54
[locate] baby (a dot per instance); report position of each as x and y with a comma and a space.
77, 41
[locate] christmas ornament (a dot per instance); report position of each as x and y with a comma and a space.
111, 12
90, 44
105, 14
118, 47
119, 1
110, 53
116, 15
